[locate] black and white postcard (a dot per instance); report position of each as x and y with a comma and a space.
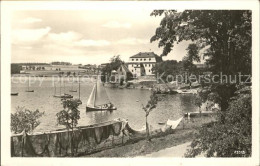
130, 83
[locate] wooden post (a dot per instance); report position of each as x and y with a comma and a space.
183, 123
22, 145
123, 138
113, 140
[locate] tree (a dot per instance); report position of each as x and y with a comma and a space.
169, 67
224, 34
70, 114
152, 103
114, 64
229, 139
198, 102
69, 117
25, 120
192, 55
15, 69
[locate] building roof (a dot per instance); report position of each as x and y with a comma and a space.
145, 55
143, 62
125, 68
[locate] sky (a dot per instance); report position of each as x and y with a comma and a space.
85, 36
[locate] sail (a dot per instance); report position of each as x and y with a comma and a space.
91, 99
101, 95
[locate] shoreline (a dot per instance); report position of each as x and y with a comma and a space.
142, 147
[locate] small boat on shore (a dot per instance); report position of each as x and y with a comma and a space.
98, 99
14, 94
161, 123
171, 92
187, 91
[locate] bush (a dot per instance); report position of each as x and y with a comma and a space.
25, 119
231, 137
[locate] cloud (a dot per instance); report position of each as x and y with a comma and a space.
30, 20
71, 39
64, 36
132, 41
26, 47
88, 43
29, 35
115, 24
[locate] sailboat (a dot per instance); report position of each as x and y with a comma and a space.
28, 90
98, 99
63, 96
72, 90
79, 101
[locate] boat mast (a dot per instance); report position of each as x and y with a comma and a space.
95, 94
79, 87
28, 82
54, 89
63, 86
60, 86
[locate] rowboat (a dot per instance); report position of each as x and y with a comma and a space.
14, 94
28, 89
64, 96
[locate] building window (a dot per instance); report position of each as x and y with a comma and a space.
136, 59
149, 65
144, 59
132, 65
149, 70
141, 59
145, 65
132, 70
149, 59
132, 59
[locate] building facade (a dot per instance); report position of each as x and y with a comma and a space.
142, 63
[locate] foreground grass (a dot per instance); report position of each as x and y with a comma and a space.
185, 132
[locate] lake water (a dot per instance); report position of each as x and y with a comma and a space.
128, 102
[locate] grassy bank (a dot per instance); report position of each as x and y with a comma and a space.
185, 132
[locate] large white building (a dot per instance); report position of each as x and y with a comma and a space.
142, 63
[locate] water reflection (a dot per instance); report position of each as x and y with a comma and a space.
172, 107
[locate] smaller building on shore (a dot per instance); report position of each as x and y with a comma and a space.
122, 74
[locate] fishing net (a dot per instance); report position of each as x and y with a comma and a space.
63, 142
